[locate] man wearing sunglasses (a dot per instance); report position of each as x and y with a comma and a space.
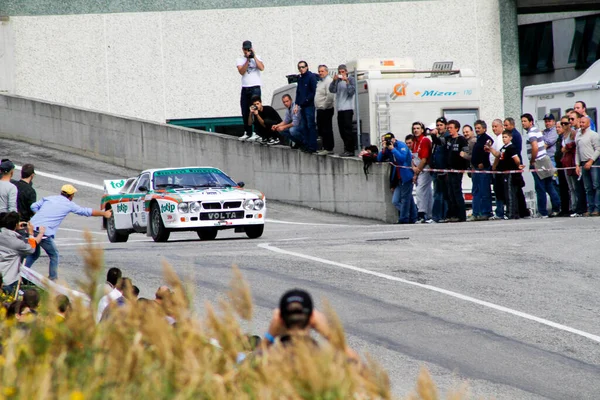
305, 99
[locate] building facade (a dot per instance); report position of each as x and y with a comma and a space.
176, 59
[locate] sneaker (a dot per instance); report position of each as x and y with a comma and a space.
324, 152
430, 221
347, 154
494, 218
575, 215
544, 216
454, 219
505, 218
472, 219
263, 141
253, 138
295, 146
244, 137
595, 214
554, 214
273, 141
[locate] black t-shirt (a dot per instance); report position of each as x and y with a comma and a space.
26, 196
454, 146
270, 115
506, 162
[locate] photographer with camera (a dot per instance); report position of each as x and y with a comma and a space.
264, 118
401, 179
344, 87
249, 68
13, 248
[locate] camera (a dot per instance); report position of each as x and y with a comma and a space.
253, 108
388, 142
340, 76
251, 54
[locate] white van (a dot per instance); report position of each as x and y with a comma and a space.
555, 98
392, 95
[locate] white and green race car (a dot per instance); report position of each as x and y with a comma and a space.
200, 199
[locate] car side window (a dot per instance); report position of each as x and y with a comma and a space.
144, 181
129, 185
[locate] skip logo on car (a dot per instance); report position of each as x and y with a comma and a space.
122, 208
167, 208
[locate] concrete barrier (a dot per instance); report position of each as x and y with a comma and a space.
326, 183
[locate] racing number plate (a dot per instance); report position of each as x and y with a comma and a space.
219, 215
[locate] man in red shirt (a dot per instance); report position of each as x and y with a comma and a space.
421, 151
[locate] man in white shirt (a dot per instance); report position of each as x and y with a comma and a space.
498, 180
538, 159
249, 68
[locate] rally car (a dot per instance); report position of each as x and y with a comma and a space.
200, 199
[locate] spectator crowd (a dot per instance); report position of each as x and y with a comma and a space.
563, 158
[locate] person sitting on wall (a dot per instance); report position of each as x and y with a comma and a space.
290, 128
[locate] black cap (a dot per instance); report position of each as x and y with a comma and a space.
442, 120
288, 305
247, 45
6, 166
549, 117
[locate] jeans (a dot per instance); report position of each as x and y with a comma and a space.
404, 202
245, 103
440, 205
591, 182
510, 196
482, 195
543, 187
456, 200
498, 182
293, 134
573, 194
344, 119
325, 127
50, 248
307, 115
424, 194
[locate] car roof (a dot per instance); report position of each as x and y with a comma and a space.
151, 171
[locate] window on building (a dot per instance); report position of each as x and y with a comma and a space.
586, 41
536, 48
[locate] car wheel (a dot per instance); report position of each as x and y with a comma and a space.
207, 234
157, 229
114, 235
255, 231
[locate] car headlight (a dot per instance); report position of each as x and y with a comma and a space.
258, 204
249, 204
194, 207
183, 208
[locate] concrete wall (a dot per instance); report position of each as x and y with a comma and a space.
180, 64
327, 183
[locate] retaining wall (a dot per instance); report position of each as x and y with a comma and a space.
328, 183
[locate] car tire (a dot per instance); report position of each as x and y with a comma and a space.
255, 231
115, 235
157, 228
207, 234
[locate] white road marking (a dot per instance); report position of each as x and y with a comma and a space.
276, 221
382, 232
79, 230
64, 179
484, 303
96, 243
292, 239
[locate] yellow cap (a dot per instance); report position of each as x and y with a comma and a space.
68, 189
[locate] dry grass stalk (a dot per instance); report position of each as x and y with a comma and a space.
240, 295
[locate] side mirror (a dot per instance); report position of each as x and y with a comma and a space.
241, 184
143, 189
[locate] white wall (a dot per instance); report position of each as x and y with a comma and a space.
182, 64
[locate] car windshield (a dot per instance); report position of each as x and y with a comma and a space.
191, 178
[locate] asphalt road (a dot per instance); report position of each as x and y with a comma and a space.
453, 322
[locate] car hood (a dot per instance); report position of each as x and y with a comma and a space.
214, 194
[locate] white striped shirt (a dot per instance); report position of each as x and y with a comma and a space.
534, 135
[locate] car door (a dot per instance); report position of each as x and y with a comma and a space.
139, 215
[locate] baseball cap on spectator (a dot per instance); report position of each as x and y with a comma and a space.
247, 45
549, 117
68, 189
296, 307
388, 136
442, 120
6, 166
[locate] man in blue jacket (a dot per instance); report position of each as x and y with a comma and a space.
305, 99
401, 179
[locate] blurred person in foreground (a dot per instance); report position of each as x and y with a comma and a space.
294, 320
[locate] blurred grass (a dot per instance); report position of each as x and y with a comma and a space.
137, 354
